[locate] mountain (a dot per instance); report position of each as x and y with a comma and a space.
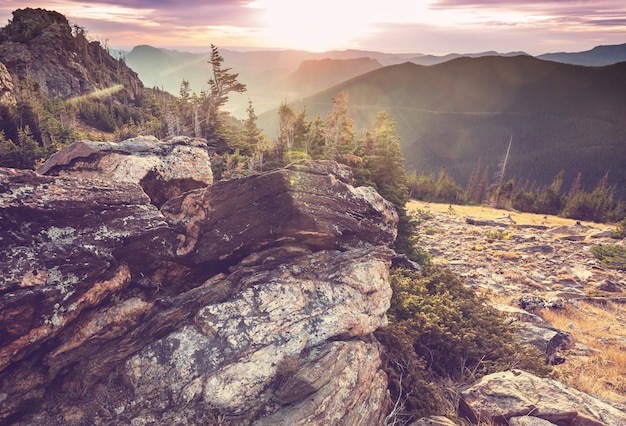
596, 57
57, 86
271, 76
434, 59
314, 75
40, 46
457, 113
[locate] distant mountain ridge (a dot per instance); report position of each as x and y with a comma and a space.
434, 59
268, 74
317, 74
598, 56
463, 111
271, 76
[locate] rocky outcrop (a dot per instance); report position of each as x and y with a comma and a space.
6, 87
116, 312
313, 206
164, 170
516, 394
61, 242
39, 45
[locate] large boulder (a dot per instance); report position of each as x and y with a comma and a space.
286, 349
314, 205
103, 321
66, 246
164, 169
500, 397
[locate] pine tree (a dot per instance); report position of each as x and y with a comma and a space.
339, 138
222, 83
473, 185
386, 162
576, 186
251, 132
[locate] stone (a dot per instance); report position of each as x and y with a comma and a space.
164, 169
501, 396
536, 334
433, 421
605, 233
236, 351
101, 324
6, 87
518, 314
561, 341
609, 286
313, 205
528, 421
61, 244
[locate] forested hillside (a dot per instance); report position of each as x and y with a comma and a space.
465, 111
59, 86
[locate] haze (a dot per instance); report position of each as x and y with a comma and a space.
421, 26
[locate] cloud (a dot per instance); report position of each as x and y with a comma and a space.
427, 26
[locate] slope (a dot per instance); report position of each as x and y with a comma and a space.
598, 56
459, 112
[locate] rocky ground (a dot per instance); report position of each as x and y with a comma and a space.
543, 264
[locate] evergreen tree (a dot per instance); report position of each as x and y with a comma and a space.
473, 185
576, 186
315, 138
222, 83
251, 132
386, 162
339, 137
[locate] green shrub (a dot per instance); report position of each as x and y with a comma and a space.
620, 229
611, 255
498, 234
440, 328
524, 201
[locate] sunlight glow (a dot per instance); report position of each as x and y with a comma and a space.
99, 94
110, 12
325, 24
431, 26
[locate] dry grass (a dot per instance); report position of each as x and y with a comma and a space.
489, 213
598, 364
602, 371
506, 255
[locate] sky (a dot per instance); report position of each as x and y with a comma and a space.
409, 26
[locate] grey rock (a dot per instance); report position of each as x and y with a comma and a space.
6, 87
100, 324
501, 396
313, 205
164, 170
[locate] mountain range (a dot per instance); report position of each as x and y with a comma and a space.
286, 75
563, 111
461, 112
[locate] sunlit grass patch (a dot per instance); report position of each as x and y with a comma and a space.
506, 255
602, 329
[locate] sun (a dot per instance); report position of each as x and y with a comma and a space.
330, 24
314, 26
